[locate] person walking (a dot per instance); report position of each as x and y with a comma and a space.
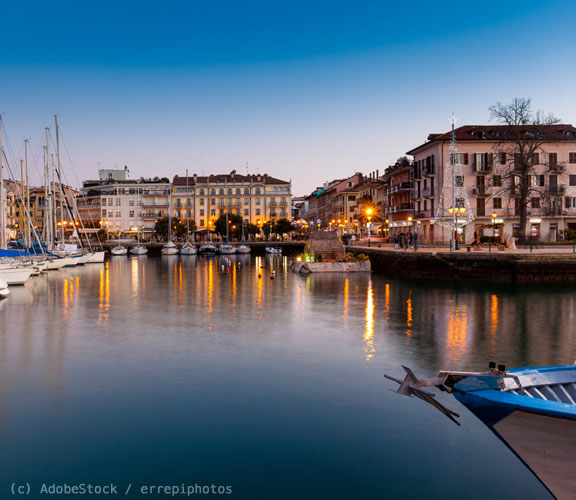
415, 242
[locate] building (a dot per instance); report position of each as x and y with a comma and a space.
121, 205
256, 198
491, 185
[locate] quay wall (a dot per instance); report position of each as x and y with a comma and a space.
499, 266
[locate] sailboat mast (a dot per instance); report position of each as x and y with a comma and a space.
2, 194
48, 223
59, 167
28, 207
187, 217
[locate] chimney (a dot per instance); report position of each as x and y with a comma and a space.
232, 174
259, 178
377, 174
195, 178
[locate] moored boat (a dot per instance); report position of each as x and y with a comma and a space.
242, 248
273, 250
4, 292
208, 248
227, 248
188, 249
119, 250
170, 249
16, 275
138, 250
532, 410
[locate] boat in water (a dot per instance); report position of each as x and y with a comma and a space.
243, 248
208, 248
139, 250
170, 249
119, 250
532, 410
227, 248
188, 249
4, 292
273, 250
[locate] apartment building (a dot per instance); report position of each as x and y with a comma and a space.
118, 204
256, 198
492, 186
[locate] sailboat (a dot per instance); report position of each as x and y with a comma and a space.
226, 247
170, 248
243, 248
188, 248
139, 249
4, 292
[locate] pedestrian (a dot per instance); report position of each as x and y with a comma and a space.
401, 238
415, 242
396, 242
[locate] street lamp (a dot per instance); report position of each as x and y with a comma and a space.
369, 215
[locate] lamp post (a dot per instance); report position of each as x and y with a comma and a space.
369, 215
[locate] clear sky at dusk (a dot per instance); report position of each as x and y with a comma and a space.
303, 90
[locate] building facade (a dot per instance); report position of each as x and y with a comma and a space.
492, 186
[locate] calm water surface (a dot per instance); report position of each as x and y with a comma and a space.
186, 370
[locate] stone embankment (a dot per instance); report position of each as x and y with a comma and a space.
504, 266
330, 267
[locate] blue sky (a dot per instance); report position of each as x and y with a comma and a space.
304, 90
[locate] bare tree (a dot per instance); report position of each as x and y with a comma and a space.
518, 150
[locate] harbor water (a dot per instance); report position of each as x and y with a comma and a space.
191, 372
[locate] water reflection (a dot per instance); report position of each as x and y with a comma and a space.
369, 331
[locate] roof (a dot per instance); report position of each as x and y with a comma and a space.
474, 133
231, 178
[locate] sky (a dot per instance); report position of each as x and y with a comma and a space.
303, 91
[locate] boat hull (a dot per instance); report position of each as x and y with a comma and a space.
95, 258
16, 276
138, 251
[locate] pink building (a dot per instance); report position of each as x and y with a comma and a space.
491, 186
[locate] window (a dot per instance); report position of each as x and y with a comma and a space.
535, 158
537, 180
131, 202
570, 202
573, 180
213, 201
502, 158
571, 157
497, 180
461, 158
118, 202
257, 211
257, 200
202, 192
246, 191
246, 212
213, 213
110, 214
221, 192
131, 213
229, 191
103, 213
103, 202
460, 180
110, 202
201, 202
118, 214
258, 189
246, 201
535, 202
201, 212
201, 222
212, 191
552, 160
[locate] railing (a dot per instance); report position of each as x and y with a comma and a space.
154, 204
482, 168
429, 171
402, 186
556, 189
480, 191
428, 192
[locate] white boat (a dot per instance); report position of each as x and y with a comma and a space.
4, 292
55, 264
95, 257
227, 248
532, 410
138, 250
170, 249
208, 248
188, 249
119, 250
273, 250
16, 275
243, 248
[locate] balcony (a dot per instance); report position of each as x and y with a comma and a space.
429, 171
152, 215
428, 192
555, 211
480, 191
402, 186
154, 203
558, 189
557, 168
417, 174
420, 215
482, 168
